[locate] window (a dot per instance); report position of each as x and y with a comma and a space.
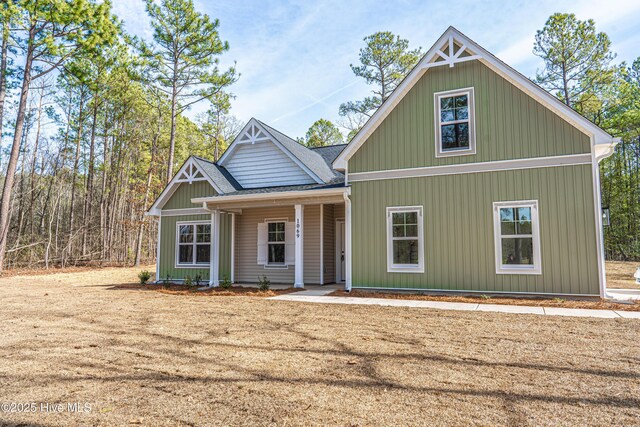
405, 245
193, 244
455, 125
275, 243
517, 237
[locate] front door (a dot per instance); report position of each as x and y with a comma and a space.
340, 251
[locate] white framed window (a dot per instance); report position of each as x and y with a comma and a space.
455, 122
276, 241
193, 244
405, 240
517, 237
276, 245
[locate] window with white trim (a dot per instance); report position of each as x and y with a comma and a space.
455, 122
405, 239
517, 237
193, 244
276, 243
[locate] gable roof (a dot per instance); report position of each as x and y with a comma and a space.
192, 170
454, 47
308, 160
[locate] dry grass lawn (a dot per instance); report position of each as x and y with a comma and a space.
620, 274
152, 358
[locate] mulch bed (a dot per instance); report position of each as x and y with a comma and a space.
215, 292
537, 302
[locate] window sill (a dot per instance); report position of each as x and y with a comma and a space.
207, 265
520, 270
276, 266
401, 269
454, 153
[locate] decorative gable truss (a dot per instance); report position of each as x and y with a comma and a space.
451, 52
257, 158
189, 173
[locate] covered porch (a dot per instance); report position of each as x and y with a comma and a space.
292, 237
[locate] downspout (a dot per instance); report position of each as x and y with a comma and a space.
347, 215
597, 194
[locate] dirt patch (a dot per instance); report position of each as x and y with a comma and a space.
537, 302
620, 274
198, 291
149, 358
78, 269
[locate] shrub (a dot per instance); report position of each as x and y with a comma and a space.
167, 279
144, 277
197, 279
226, 283
188, 281
264, 283
483, 296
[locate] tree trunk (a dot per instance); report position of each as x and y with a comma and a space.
88, 195
3, 77
5, 203
76, 163
172, 141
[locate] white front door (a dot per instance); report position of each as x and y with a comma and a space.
340, 249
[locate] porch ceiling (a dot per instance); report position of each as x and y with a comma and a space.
287, 198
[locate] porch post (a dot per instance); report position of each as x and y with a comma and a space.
347, 243
233, 248
299, 243
214, 273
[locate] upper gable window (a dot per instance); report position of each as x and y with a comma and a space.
455, 123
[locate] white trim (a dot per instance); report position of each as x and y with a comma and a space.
473, 291
158, 248
233, 248
405, 268
479, 53
275, 195
176, 243
283, 243
471, 122
172, 186
299, 247
597, 201
184, 211
347, 243
498, 165
251, 123
338, 250
321, 244
214, 274
536, 268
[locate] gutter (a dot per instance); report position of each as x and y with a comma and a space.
273, 195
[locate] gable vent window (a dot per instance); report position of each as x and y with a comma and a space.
455, 125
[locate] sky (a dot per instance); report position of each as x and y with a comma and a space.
293, 56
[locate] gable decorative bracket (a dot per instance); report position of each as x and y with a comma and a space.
190, 173
452, 52
252, 135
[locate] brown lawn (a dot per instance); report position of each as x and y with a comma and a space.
620, 274
151, 358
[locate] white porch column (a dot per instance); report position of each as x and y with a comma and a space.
233, 248
347, 243
214, 273
299, 247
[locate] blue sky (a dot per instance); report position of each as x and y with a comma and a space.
294, 56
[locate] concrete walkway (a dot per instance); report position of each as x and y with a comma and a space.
320, 295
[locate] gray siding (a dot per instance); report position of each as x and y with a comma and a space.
263, 164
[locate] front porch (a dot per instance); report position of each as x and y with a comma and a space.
292, 239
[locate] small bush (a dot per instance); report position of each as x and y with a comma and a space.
197, 279
144, 277
167, 279
264, 283
188, 281
483, 296
559, 299
226, 283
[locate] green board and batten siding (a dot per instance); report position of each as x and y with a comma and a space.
181, 199
509, 124
458, 209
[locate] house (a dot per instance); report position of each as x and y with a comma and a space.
468, 178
